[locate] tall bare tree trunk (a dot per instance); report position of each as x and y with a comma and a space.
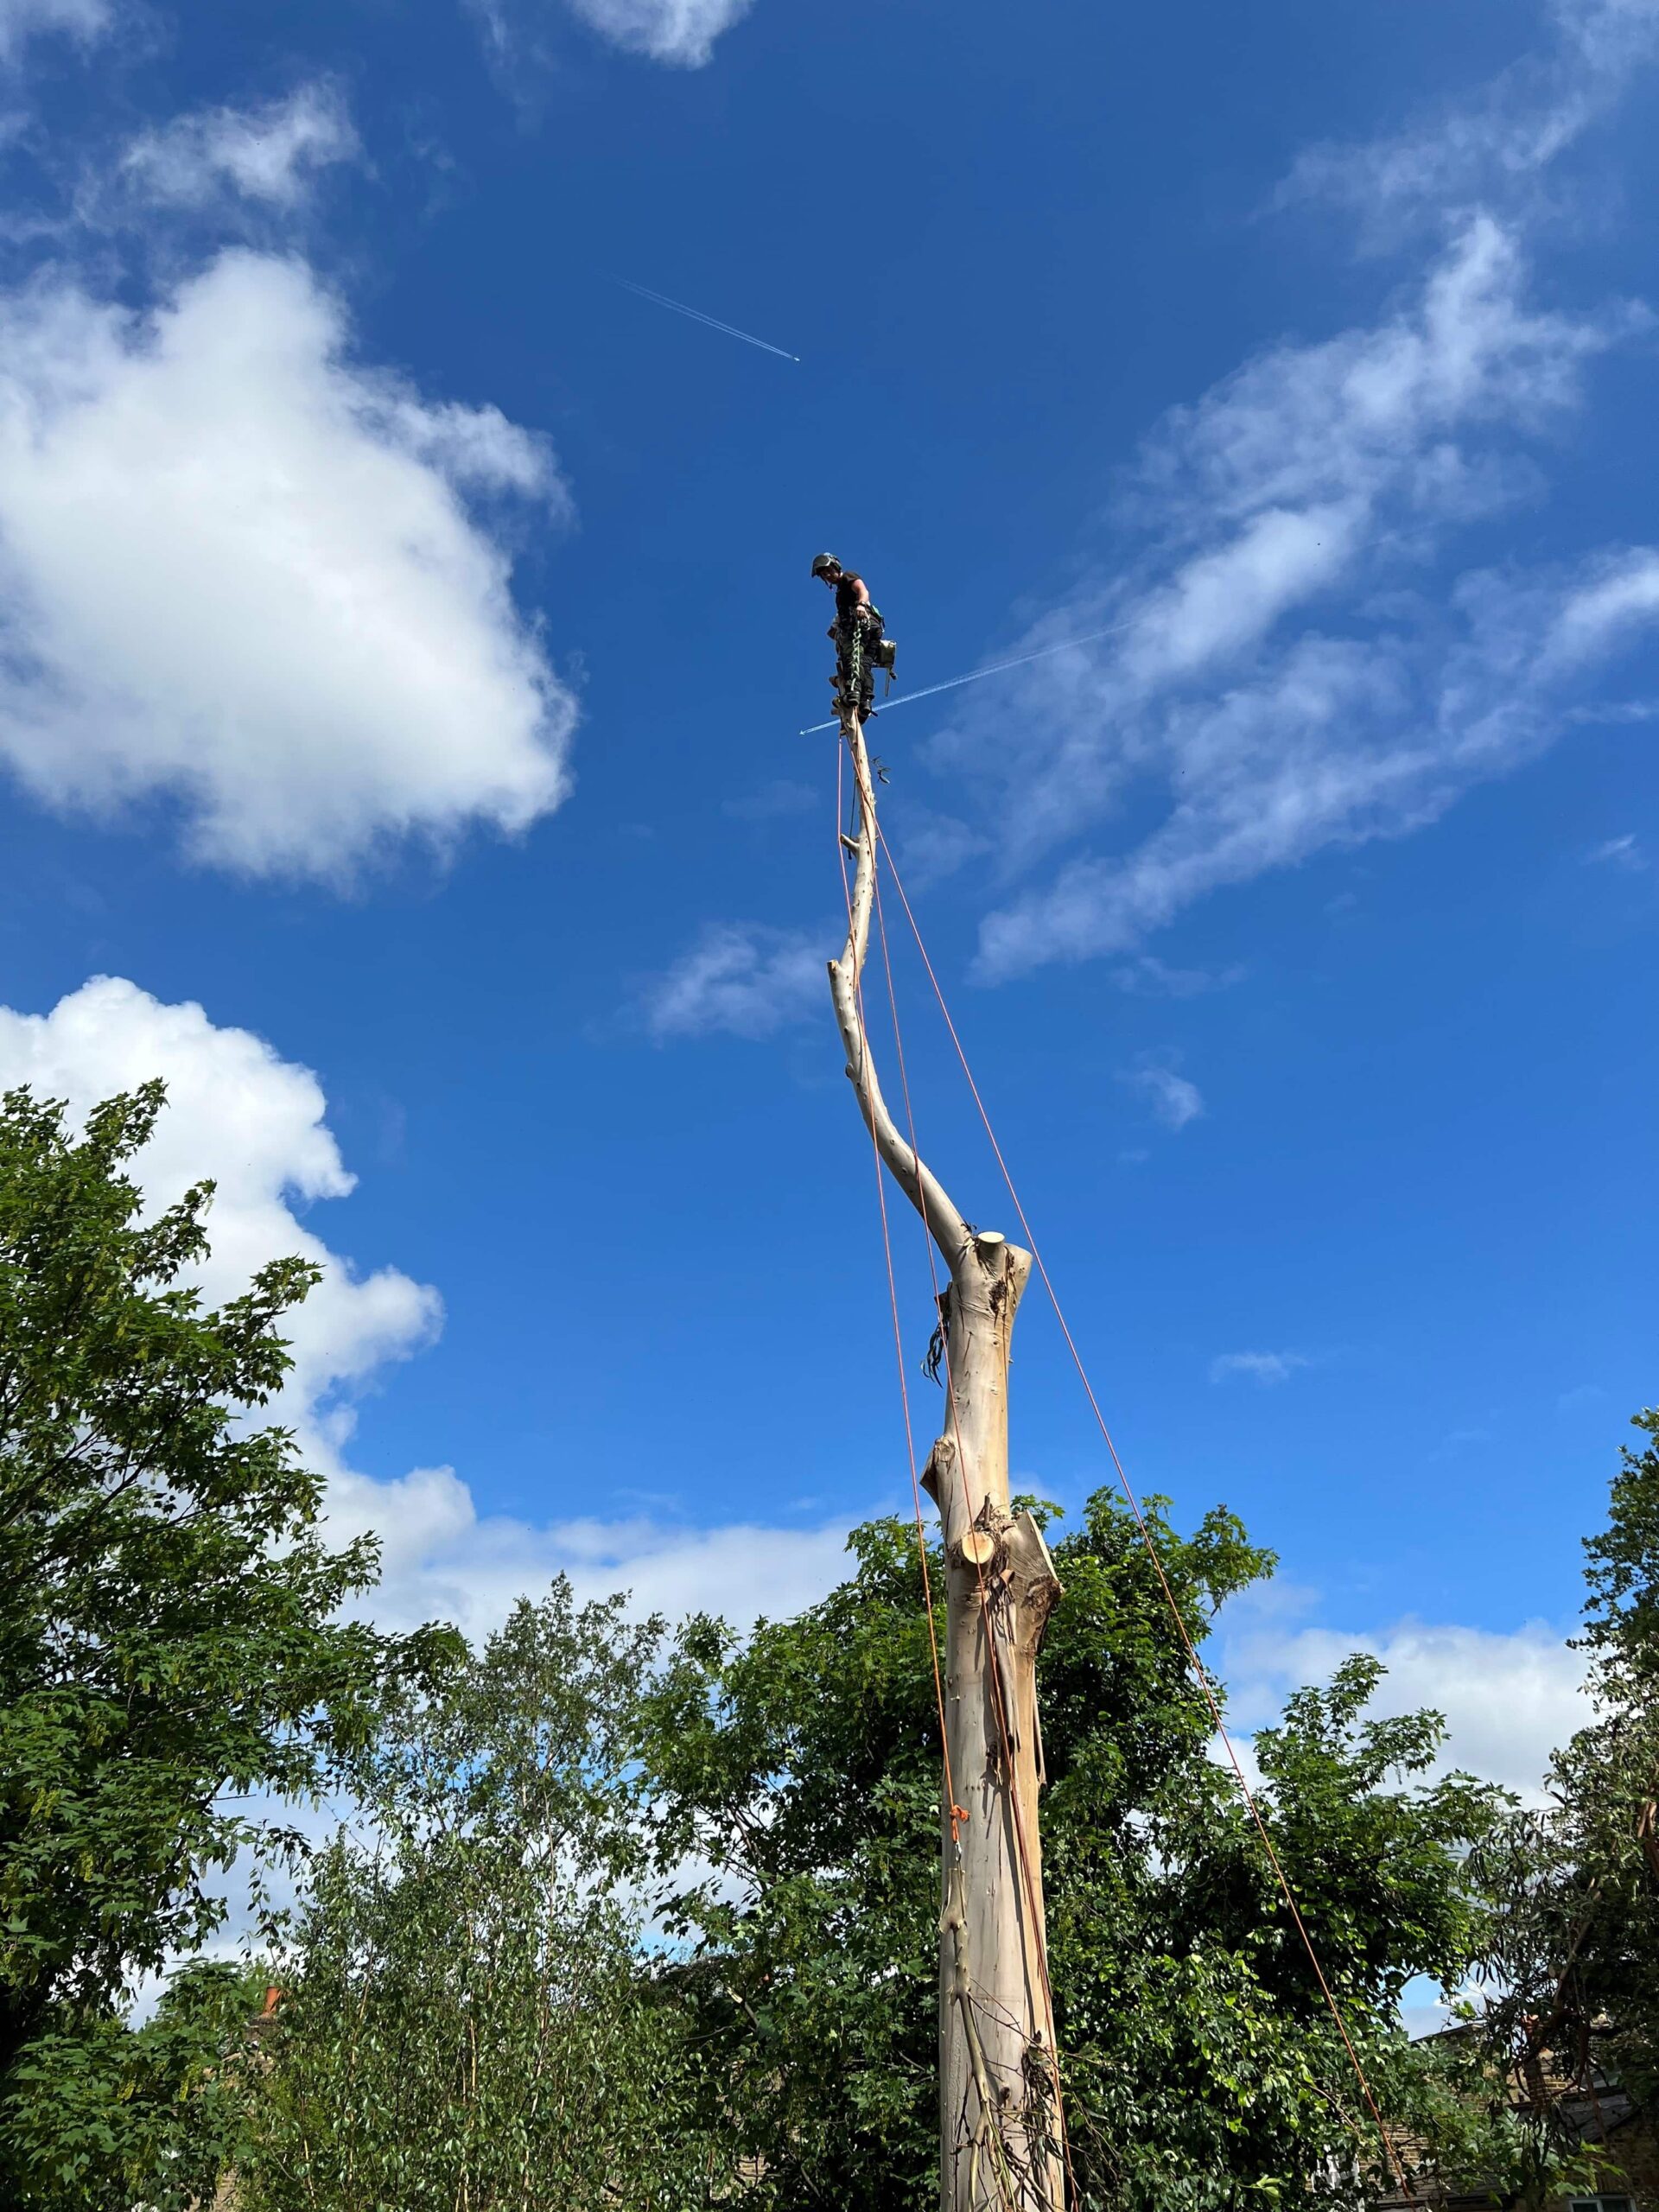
998, 2089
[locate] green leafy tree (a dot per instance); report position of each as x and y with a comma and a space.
104, 2114
1201, 2066
471, 2018
168, 1645
1576, 1994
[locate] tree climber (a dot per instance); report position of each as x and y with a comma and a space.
861, 644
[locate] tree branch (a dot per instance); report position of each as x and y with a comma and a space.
914, 1178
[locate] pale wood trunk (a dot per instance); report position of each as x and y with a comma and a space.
998, 2089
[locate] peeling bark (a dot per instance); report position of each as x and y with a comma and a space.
999, 2119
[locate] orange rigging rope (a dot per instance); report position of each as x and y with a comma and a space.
1200, 1674
954, 1811
999, 1699
1033, 1902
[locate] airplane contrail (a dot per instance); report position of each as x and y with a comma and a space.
697, 315
996, 668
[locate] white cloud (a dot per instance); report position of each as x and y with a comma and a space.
743, 978
1297, 665
1509, 1698
236, 570
1172, 1098
1496, 142
679, 32
1263, 1367
1304, 484
1147, 976
271, 152
1619, 596
1618, 852
936, 846
442, 1560
239, 1113
254, 1122
21, 19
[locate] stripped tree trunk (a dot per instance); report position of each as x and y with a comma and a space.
998, 2089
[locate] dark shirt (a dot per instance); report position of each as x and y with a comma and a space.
849, 594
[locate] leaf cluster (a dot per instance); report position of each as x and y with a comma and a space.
1574, 2002
168, 1640
472, 2015
1202, 2064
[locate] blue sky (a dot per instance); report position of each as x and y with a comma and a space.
408, 627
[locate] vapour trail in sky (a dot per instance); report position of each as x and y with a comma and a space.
662, 299
996, 668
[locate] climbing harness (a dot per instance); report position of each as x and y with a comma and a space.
863, 651
995, 668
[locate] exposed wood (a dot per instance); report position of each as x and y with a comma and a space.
999, 2115
1646, 1834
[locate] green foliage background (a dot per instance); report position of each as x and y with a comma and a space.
613, 1919
1574, 1964
1201, 2065
472, 2021
169, 1644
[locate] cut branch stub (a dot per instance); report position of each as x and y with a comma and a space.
999, 2092
978, 1548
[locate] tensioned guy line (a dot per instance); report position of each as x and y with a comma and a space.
996, 668
662, 299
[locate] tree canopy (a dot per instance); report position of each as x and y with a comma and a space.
1201, 2066
617, 1918
172, 1670
1577, 1935
473, 2016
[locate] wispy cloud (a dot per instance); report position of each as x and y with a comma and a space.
1298, 661
1581, 1398
1303, 483
934, 845
1617, 852
1458, 1441
1173, 1099
21, 19
1497, 141
681, 33
271, 154
741, 979
1261, 1367
771, 802
1147, 976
